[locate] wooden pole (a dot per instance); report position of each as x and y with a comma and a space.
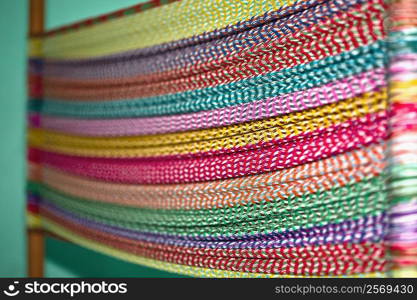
35, 237
35, 242
36, 17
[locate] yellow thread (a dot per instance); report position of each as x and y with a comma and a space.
35, 47
403, 91
403, 84
155, 26
405, 272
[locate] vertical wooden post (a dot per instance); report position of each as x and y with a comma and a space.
35, 237
35, 245
36, 17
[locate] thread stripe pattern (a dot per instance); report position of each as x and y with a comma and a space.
233, 139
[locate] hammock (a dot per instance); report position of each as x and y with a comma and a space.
231, 138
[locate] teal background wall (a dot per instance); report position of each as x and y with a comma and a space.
13, 15
62, 259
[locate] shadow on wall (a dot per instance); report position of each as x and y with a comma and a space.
81, 262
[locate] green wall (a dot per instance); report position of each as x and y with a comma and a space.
62, 259
12, 100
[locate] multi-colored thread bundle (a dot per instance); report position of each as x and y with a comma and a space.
231, 138
403, 141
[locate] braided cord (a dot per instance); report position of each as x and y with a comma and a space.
317, 265
179, 54
182, 269
402, 234
257, 60
230, 138
288, 103
271, 85
239, 162
217, 216
356, 203
338, 170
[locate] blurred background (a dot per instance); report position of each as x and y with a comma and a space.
62, 259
